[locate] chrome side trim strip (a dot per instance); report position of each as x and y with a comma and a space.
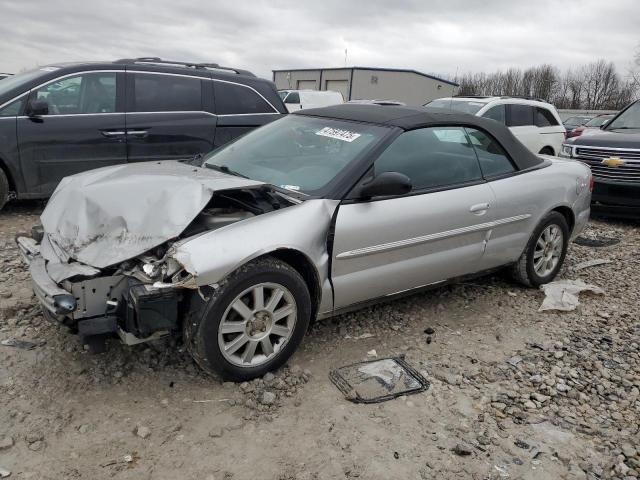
409, 242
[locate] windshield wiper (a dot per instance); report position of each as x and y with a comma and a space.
225, 169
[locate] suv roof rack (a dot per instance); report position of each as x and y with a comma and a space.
524, 97
159, 61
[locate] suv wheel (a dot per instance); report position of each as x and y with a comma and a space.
4, 189
546, 151
543, 257
252, 323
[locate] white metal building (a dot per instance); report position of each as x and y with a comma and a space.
367, 83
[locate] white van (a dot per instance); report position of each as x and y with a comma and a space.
300, 99
534, 122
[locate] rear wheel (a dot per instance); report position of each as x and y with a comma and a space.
252, 323
543, 257
4, 189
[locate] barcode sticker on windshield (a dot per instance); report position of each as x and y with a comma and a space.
344, 135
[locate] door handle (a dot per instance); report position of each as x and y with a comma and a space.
137, 133
479, 208
112, 133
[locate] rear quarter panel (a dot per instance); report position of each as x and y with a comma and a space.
535, 193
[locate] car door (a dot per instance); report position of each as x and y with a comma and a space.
520, 120
81, 129
438, 231
166, 116
516, 198
550, 130
240, 109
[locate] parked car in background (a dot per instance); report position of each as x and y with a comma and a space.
63, 119
613, 154
321, 212
534, 122
296, 100
378, 102
4, 75
594, 124
576, 121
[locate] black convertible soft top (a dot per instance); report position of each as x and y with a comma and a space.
410, 118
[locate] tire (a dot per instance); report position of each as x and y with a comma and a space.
4, 189
257, 327
546, 151
529, 270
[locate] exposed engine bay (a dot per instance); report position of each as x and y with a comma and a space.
141, 297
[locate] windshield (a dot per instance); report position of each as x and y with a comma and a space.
596, 122
576, 121
283, 93
14, 81
465, 106
628, 119
297, 152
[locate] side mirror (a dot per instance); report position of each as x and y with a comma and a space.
38, 108
386, 184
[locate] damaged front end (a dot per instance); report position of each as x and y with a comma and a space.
106, 267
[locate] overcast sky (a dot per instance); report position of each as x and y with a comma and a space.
439, 37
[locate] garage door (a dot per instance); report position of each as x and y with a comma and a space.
307, 85
341, 86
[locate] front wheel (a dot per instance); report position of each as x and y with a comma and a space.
543, 257
252, 323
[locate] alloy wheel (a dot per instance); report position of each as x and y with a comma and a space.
548, 250
257, 324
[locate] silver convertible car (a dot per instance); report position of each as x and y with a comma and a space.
320, 212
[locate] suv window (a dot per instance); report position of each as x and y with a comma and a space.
544, 118
294, 97
496, 113
86, 93
166, 93
520, 115
432, 157
493, 159
13, 109
232, 99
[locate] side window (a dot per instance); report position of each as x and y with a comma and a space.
496, 113
294, 97
493, 159
235, 99
520, 115
544, 118
166, 93
432, 157
13, 109
87, 93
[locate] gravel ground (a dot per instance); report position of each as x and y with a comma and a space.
514, 393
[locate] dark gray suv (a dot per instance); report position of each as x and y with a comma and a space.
63, 119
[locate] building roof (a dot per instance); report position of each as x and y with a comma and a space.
378, 69
411, 118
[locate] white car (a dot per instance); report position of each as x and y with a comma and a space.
296, 100
534, 122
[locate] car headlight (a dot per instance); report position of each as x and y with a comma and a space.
566, 151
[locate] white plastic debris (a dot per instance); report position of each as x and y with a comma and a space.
590, 263
372, 353
563, 294
4, 472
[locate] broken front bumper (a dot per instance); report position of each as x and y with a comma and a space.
55, 299
100, 304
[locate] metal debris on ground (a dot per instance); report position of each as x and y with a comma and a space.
590, 263
378, 380
23, 344
596, 242
562, 295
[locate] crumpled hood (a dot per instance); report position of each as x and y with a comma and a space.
105, 216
